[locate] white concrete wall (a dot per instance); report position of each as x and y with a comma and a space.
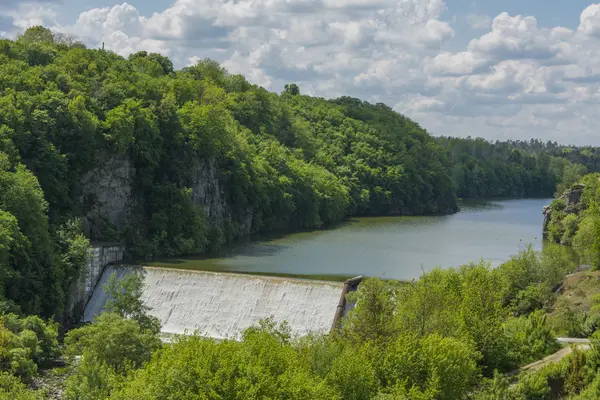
222, 305
100, 255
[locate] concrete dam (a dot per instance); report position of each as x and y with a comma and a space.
222, 305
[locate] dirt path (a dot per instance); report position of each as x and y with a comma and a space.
556, 357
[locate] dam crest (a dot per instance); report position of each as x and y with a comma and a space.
222, 305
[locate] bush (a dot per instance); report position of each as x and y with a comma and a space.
529, 338
110, 348
263, 365
26, 343
570, 225
545, 384
11, 388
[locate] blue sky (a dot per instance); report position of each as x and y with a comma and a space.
496, 69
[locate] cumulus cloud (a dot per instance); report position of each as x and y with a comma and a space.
514, 78
590, 20
18, 16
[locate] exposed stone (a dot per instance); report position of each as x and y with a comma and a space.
573, 205
573, 196
207, 192
547, 210
107, 191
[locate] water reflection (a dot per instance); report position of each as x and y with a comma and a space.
389, 247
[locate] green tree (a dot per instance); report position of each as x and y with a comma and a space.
110, 347
263, 365
125, 299
291, 89
12, 388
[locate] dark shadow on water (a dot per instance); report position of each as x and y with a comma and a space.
254, 246
480, 204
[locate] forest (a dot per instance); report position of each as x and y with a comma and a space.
204, 158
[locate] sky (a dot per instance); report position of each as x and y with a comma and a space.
511, 69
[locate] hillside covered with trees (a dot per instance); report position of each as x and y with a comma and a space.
197, 158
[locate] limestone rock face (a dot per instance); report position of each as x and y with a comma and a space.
108, 197
208, 192
547, 210
107, 191
573, 196
572, 205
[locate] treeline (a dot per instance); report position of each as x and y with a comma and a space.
483, 168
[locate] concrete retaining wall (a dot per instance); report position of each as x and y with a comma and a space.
222, 305
100, 255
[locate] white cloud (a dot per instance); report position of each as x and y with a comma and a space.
478, 21
514, 79
590, 20
27, 14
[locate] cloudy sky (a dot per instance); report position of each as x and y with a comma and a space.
498, 69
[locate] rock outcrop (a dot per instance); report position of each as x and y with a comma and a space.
208, 192
569, 203
573, 196
547, 210
107, 192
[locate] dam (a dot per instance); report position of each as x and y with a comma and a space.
222, 305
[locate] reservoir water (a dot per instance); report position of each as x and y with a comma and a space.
389, 247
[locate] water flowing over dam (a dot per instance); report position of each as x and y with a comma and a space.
222, 305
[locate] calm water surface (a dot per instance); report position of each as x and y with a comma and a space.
390, 247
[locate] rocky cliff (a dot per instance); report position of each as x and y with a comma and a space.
208, 192
568, 203
109, 197
107, 193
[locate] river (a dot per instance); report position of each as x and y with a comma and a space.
389, 247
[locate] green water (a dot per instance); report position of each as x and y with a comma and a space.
388, 247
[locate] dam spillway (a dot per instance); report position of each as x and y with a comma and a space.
221, 305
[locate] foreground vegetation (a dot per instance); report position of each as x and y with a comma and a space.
452, 334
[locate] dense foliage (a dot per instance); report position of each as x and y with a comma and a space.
26, 343
452, 334
279, 162
574, 219
38, 262
508, 169
209, 158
